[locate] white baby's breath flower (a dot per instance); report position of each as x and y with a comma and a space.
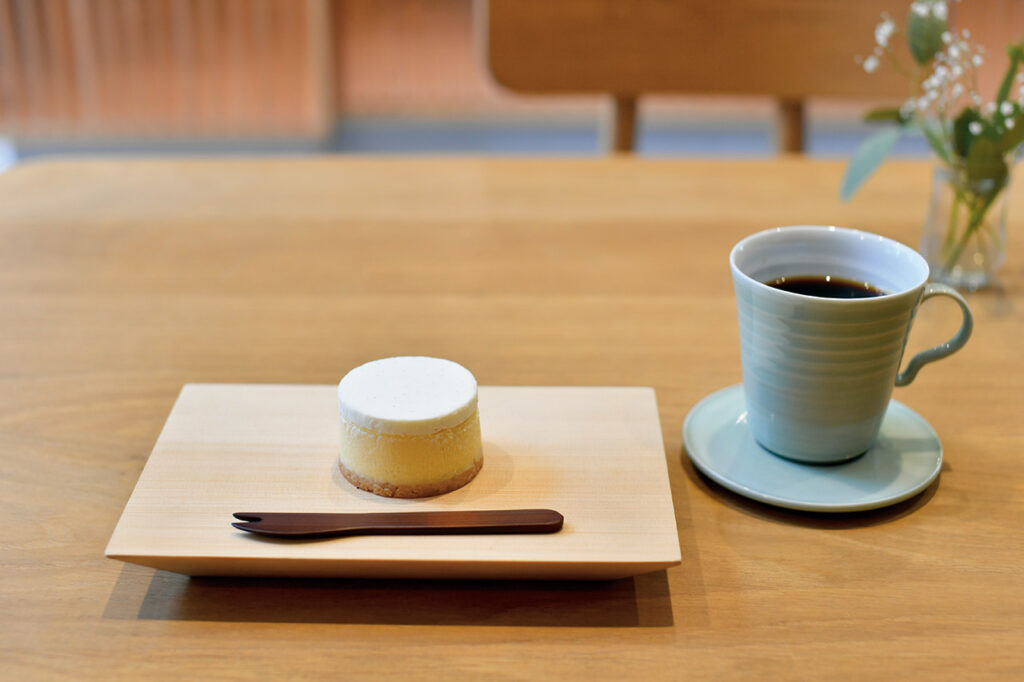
919, 8
947, 37
956, 90
976, 60
939, 11
954, 51
1008, 123
966, 34
871, 64
957, 71
941, 72
884, 31
990, 108
1005, 108
974, 127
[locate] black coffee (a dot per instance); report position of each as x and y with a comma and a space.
825, 286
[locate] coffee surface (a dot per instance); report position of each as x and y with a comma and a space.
825, 286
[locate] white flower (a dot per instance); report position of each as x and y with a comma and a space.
957, 90
966, 34
1020, 77
920, 9
941, 72
1008, 123
922, 103
954, 51
976, 60
946, 37
957, 71
870, 64
974, 127
1005, 108
939, 11
976, 98
990, 108
883, 32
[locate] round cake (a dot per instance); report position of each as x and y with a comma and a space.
409, 427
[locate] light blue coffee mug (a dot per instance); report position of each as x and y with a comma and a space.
818, 373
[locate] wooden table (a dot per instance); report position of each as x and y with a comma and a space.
122, 280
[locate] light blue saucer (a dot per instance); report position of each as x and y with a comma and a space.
905, 459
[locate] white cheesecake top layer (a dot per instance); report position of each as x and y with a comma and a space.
407, 395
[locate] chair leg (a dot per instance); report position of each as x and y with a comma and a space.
620, 129
791, 125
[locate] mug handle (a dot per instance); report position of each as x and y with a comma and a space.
944, 349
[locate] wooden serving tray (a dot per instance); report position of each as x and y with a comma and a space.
594, 454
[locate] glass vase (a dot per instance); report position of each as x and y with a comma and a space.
964, 236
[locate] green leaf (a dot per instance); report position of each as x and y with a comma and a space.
924, 34
986, 167
962, 135
1016, 53
937, 144
1014, 136
866, 159
885, 114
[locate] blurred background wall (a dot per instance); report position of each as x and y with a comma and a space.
342, 75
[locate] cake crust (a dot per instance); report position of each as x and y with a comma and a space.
385, 489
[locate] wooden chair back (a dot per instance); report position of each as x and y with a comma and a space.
787, 49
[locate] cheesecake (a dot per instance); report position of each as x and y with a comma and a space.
409, 427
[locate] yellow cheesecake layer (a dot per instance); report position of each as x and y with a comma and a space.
411, 460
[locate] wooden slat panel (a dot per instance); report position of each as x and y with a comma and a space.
27, 28
83, 37
11, 70
61, 73
115, 68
